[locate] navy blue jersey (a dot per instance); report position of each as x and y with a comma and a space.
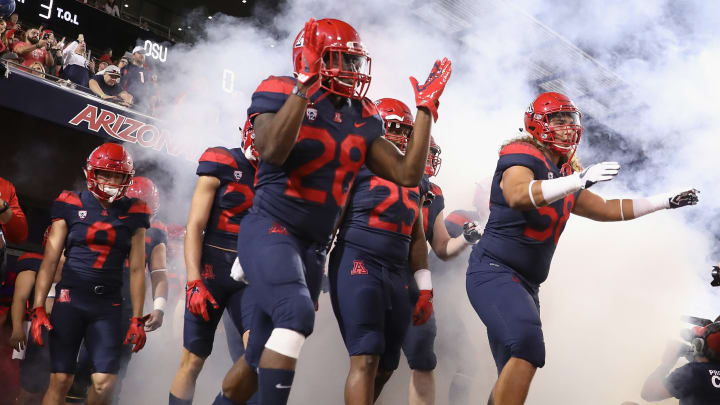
695, 383
234, 196
306, 194
134, 79
432, 210
98, 239
380, 217
154, 236
106, 88
524, 240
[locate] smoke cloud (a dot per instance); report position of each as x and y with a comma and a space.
644, 73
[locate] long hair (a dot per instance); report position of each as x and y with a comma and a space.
530, 140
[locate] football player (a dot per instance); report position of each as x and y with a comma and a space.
418, 345
155, 262
313, 133
35, 365
379, 238
538, 182
100, 228
223, 195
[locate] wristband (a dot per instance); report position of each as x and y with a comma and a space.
156, 270
423, 279
296, 91
159, 303
530, 193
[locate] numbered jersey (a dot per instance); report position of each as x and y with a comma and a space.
380, 217
98, 239
432, 210
524, 240
234, 196
306, 194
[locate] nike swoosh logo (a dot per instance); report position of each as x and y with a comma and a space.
281, 387
359, 124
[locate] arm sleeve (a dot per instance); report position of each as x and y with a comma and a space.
217, 162
681, 382
270, 95
16, 230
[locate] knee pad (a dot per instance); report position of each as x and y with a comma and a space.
286, 342
297, 313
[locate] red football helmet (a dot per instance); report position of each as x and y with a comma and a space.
248, 143
539, 117
398, 121
109, 157
144, 189
432, 167
345, 66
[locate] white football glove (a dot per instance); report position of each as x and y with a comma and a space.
596, 173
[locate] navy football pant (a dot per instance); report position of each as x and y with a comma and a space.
284, 275
81, 314
419, 343
371, 303
233, 337
509, 308
198, 334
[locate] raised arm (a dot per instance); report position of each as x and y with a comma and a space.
591, 205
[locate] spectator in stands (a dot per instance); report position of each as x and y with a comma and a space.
3, 40
75, 63
34, 49
12, 22
112, 8
135, 75
107, 56
102, 65
105, 85
122, 63
12, 218
13, 36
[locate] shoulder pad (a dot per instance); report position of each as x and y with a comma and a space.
435, 189
138, 206
277, 84
219, 155
158, 225
369, 108
69, 197
523, 148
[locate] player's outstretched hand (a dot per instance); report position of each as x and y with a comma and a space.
689, 197
471, 232
136, 333
428, 94
598, 172
311, 54
423, 308
38, 318
196, 296
155, 320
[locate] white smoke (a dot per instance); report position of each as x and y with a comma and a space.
615, 291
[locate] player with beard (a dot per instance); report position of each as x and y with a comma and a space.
35, 365
223, 195
313, 133
418, 345
99, 229
538, 182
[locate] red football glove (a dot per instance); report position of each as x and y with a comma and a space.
136, 333
428, 94
423, 308
38, 319
311, 55
196, 294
